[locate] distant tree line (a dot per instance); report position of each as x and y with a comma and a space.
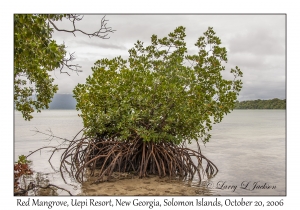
274, 103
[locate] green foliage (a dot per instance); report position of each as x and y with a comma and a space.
23, 159
35, 54
274, 103
155, 95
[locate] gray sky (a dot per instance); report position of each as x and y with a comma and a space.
255, 43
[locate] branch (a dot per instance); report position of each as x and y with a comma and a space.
71, 67
102, 33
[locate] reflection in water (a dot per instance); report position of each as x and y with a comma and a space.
42, 180
36, 185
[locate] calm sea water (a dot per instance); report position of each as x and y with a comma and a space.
248, 147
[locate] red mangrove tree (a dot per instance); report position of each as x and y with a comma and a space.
140, 114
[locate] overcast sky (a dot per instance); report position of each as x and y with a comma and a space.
255, 43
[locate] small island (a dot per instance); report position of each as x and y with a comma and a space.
274, 103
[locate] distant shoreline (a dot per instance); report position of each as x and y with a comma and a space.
274, 103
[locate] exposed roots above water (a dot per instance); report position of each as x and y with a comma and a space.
134, 156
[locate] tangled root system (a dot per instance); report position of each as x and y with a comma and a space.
107, 156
